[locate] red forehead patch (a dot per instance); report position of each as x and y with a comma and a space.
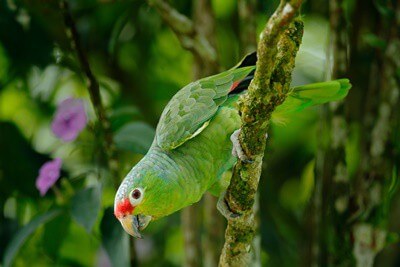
124, 207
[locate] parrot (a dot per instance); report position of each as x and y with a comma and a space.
193, 150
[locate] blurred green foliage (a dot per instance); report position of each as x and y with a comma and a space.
140, 66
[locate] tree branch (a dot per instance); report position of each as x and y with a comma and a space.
276, 54
108, 146
248, 44
94, 91
186, 32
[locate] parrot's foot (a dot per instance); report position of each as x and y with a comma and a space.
237, 150
224, 208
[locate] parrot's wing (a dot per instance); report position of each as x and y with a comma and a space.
304, 96
190, 110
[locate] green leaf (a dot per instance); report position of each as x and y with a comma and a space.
21, 236
123, 115
12, 176
307, 182
115, 240
85, 206
136, 137
52, 240
119, 25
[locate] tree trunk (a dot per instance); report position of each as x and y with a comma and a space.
353, 191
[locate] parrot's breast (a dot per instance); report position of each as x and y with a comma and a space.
203, 159
176, 178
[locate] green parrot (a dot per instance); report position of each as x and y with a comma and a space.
192, 151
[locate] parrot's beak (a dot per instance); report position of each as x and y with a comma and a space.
133, 224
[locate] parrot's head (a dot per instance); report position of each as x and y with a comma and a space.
125, 211
143, 196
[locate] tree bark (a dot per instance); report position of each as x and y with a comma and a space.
276, 54
248, 44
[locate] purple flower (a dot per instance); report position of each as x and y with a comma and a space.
70, 119
48, 175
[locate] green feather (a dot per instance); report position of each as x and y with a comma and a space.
194, 105
301, 97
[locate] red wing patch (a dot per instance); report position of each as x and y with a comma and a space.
234, 85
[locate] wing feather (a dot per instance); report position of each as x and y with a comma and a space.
190, 110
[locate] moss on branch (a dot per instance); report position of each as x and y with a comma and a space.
276, 52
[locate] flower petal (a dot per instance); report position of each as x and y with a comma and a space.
49, 173
70, 119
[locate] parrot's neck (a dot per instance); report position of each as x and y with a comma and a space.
179, 170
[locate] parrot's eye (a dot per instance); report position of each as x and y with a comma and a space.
136, 196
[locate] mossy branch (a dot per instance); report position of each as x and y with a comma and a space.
276, 52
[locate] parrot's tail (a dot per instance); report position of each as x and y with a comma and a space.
301, 97
298, 97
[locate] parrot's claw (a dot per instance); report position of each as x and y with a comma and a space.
237, 150
224, 208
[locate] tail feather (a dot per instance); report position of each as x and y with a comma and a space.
304, 96
319, 93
